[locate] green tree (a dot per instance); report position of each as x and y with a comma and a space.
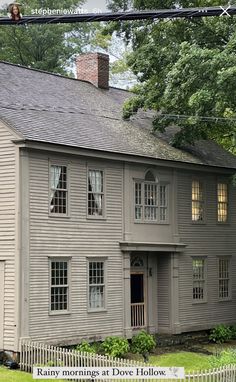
186, 70
46, 47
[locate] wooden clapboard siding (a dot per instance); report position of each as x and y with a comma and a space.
7, 232
80, 238
163, 292
211, 240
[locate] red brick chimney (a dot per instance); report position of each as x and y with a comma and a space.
93, 67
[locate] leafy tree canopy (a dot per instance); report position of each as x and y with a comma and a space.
45, 47
186, 70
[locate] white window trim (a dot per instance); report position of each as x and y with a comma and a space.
104, 260
64, 164
103, 216
229, 298
202, 182
68, 260
158, 184
223, 181
204, 300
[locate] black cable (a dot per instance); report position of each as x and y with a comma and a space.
125, 16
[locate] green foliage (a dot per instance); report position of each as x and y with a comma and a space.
86, 347
186, 67
115, 346
46, 47
142, 343
233, 332
220, 334
225, 357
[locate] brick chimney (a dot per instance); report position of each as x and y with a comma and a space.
94, 68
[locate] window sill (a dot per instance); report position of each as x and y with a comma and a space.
225, 300
96, 217
60, 216
96, 310
200, 222
199, 302
151, 222
58, 313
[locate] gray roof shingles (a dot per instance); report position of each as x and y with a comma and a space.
45, 107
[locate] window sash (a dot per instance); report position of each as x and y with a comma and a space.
95, 193
58, 189
151, 201
198, 269
96, 280
224, 278
59, 290
197, 201
222, 202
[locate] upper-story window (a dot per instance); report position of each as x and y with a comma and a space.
95, 193
151, 201
58, 190
222, 202
197, 201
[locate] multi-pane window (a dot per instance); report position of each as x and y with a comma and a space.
222, 199
96, 285
224, 278
59, 285
58, 189
95, 193
150, 202
197, 201
198, 279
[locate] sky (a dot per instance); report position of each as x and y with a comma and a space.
95, 5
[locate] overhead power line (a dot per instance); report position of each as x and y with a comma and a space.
48, 17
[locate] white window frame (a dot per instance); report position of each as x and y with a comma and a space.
221, 203
229, 278
202, 280
157, 205
200, 201
103, 193
104, 284
68, 285
66, 190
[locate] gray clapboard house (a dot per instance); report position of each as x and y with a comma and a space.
105, 228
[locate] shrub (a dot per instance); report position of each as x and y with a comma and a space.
221, 333
225, 357
86, 347
115, 346
233, 332
143, 343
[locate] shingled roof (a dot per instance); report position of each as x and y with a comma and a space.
49, 108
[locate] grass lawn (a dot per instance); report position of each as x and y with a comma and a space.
7, 375
189, 360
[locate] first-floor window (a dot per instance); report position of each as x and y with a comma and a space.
199, 281
96, 285
224, 278
59, 285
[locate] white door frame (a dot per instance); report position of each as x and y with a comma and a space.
2, 275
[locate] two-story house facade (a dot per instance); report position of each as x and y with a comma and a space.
105, 228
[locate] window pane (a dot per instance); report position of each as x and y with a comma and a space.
198, 279
223, 278
222, 196
58, 193
95, 192
197, 201
59, 288
96, 285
